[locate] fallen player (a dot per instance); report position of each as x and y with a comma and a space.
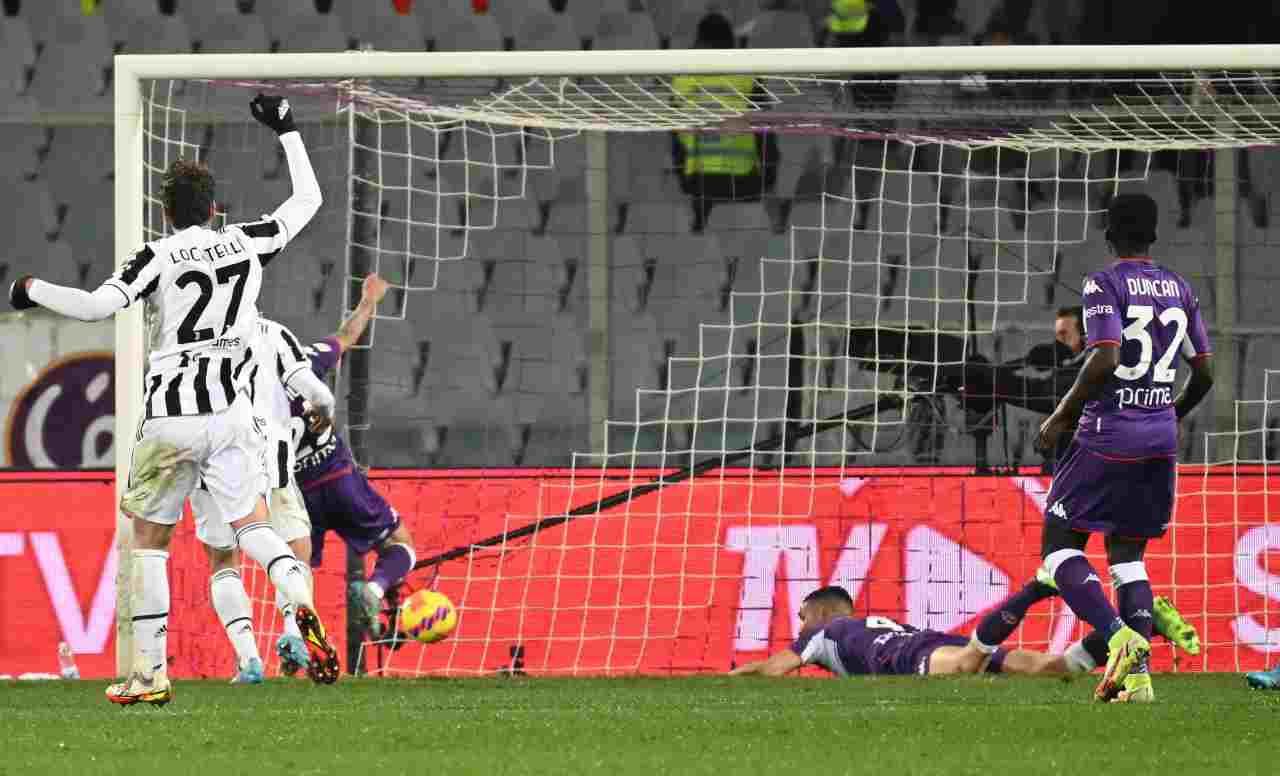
833, 638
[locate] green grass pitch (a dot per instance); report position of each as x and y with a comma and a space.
707, 725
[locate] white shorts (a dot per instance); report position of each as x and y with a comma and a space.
288, 517
289, 513
220, 455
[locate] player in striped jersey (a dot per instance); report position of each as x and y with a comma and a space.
280, 358
202, 285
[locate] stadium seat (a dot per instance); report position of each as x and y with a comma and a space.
780, 29
17, 58
158, 34
622, 30
672, 18
230, 32
376, 24
659, 218
72, 72
296, 26
543, 30
31, 219
468, 32
22, 148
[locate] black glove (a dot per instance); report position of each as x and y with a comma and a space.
18, 294
273, 112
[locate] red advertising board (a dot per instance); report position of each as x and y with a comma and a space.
692, 578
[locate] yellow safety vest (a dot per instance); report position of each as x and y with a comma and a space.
717, 153
848, 17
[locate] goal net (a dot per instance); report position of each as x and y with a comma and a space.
718, 388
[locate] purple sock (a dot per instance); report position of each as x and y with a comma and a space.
394, 562
1080, 587
1136, 601
1096, 645
1002, 621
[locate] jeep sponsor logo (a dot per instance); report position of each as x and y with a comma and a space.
65, 418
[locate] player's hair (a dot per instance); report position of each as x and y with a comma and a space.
1131, 223
831, 594
1073, 310
187, 193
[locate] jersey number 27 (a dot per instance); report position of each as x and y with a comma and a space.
238, 272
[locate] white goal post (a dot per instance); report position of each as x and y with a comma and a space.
130, 72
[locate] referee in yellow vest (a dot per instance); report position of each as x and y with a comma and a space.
721, 166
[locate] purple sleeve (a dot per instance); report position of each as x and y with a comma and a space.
1103, 318
1197, 341
324, 355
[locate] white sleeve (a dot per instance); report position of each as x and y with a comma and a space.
76, 303
271, 234
311, 388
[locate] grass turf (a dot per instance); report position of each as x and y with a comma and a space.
713, 725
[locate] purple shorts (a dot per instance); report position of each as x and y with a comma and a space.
349, 506
1132, 499
910, 654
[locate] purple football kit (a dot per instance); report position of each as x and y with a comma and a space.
337, 494
852, 646
1118, 474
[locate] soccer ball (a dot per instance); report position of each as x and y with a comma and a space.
428, 616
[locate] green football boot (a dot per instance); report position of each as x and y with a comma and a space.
1168, 622
1128, 652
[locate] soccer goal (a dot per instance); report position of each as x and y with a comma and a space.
932, 201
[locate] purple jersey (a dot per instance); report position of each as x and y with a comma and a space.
1152, 314
849, 646
318, 455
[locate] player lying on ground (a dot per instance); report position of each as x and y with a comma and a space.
337, 493
845, 645
1118, 476
198, 423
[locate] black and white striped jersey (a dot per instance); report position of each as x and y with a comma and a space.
280, 356
202, 286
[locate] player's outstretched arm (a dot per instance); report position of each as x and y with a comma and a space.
297, 211
373, 290
1097, 369
778, 664
27, 292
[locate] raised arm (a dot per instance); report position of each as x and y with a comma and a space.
273, 233
373, 290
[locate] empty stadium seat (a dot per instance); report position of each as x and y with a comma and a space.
377, 25
466, 32
230, 32
296, 26
621, 30
156, 34
780, 29
542, 30
17, 57
22, 146
71, 73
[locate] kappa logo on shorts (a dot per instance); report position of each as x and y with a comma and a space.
1091, 287
1058, 511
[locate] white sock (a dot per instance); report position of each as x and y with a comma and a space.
231, 602
377, 590
150, 611
286, 608
1078, 658
268, 550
